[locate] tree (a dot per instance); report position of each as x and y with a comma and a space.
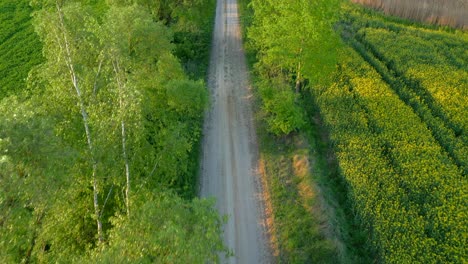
31, 155
164, 229
133, 44
110, 116
295, 37
283, 114
69, 47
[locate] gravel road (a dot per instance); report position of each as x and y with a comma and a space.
230, 154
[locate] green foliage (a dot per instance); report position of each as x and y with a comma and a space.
68, 228
295, 43
192, 34
295, 37
20, 49
191, 24
187, 98
30, 156
145, 40
283, 114
111, 99
164, 229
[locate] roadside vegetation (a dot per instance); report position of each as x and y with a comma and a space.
379, 124
361, 119
98, 156
307, 220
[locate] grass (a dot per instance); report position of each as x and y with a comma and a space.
315, 219
303, 189
20, 48
301, 228
313, 222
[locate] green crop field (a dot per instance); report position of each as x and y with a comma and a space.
428, 69
393, 113
20, 48
397, 116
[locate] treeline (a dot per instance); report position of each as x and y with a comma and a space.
98, 159
446, 12
291, 44
294, 43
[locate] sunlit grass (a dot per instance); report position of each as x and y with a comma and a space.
20, 48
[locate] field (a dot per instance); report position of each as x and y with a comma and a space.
384, 142
396, 114
442, 12
20, 48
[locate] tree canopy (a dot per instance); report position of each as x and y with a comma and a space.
296, 45
103, 148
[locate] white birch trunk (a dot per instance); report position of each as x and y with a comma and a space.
84, 115
299, 70
124, 136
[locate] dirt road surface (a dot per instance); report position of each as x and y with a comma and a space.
230, 155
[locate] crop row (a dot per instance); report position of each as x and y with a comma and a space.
441, 84
406, 190
20, 49
452, 140
446, 121
435, 63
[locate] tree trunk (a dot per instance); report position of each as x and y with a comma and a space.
299, 70
97, 77
117, 72
298, 79
127, 168
84, 115
37, 223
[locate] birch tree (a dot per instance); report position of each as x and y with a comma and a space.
30, 156
133, 42
69, 48
111, 116
295, 37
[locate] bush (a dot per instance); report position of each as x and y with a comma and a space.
283, 114
164, 229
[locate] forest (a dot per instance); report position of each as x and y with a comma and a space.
100, 131
361, 119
